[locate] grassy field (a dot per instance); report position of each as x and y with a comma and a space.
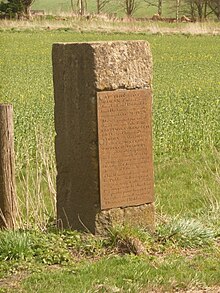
143, 8
186, 119
57, 6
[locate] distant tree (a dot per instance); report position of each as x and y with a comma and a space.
81, 6
176, 8
129, 6
72, 5
27, 6
11, 8
156, 3
197, 9
178, 3
159, 7
214, 5
100, 4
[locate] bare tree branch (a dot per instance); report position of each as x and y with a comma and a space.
214, 5
155, 3
100, 4
82, 6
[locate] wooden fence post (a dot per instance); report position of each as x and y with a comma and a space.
8, 208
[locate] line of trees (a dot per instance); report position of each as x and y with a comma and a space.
195, 9
81, 5
201, 9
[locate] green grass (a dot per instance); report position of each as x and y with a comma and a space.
75, 262
143, 9
185, 116
186, 87
186, 119
134, 274
65, 6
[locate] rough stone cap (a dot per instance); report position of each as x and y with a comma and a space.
117, 64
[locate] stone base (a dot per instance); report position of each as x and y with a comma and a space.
142, 216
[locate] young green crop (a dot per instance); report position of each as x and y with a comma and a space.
186, 116
186, 87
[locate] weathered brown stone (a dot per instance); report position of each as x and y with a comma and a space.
138, 216
108, 218
81, 70
132, 59
142, 216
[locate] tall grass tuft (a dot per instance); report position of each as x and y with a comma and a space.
185, 233
36, 184
15, 245
211, 191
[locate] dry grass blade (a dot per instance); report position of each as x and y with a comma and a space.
36, 182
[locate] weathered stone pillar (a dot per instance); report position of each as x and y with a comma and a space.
103, 111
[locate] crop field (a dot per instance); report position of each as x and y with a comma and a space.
186, 88
186, 137
57, 6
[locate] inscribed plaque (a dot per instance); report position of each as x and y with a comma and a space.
125, 147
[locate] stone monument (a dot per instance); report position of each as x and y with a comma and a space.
103, 113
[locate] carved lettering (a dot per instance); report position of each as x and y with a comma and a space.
125, 148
